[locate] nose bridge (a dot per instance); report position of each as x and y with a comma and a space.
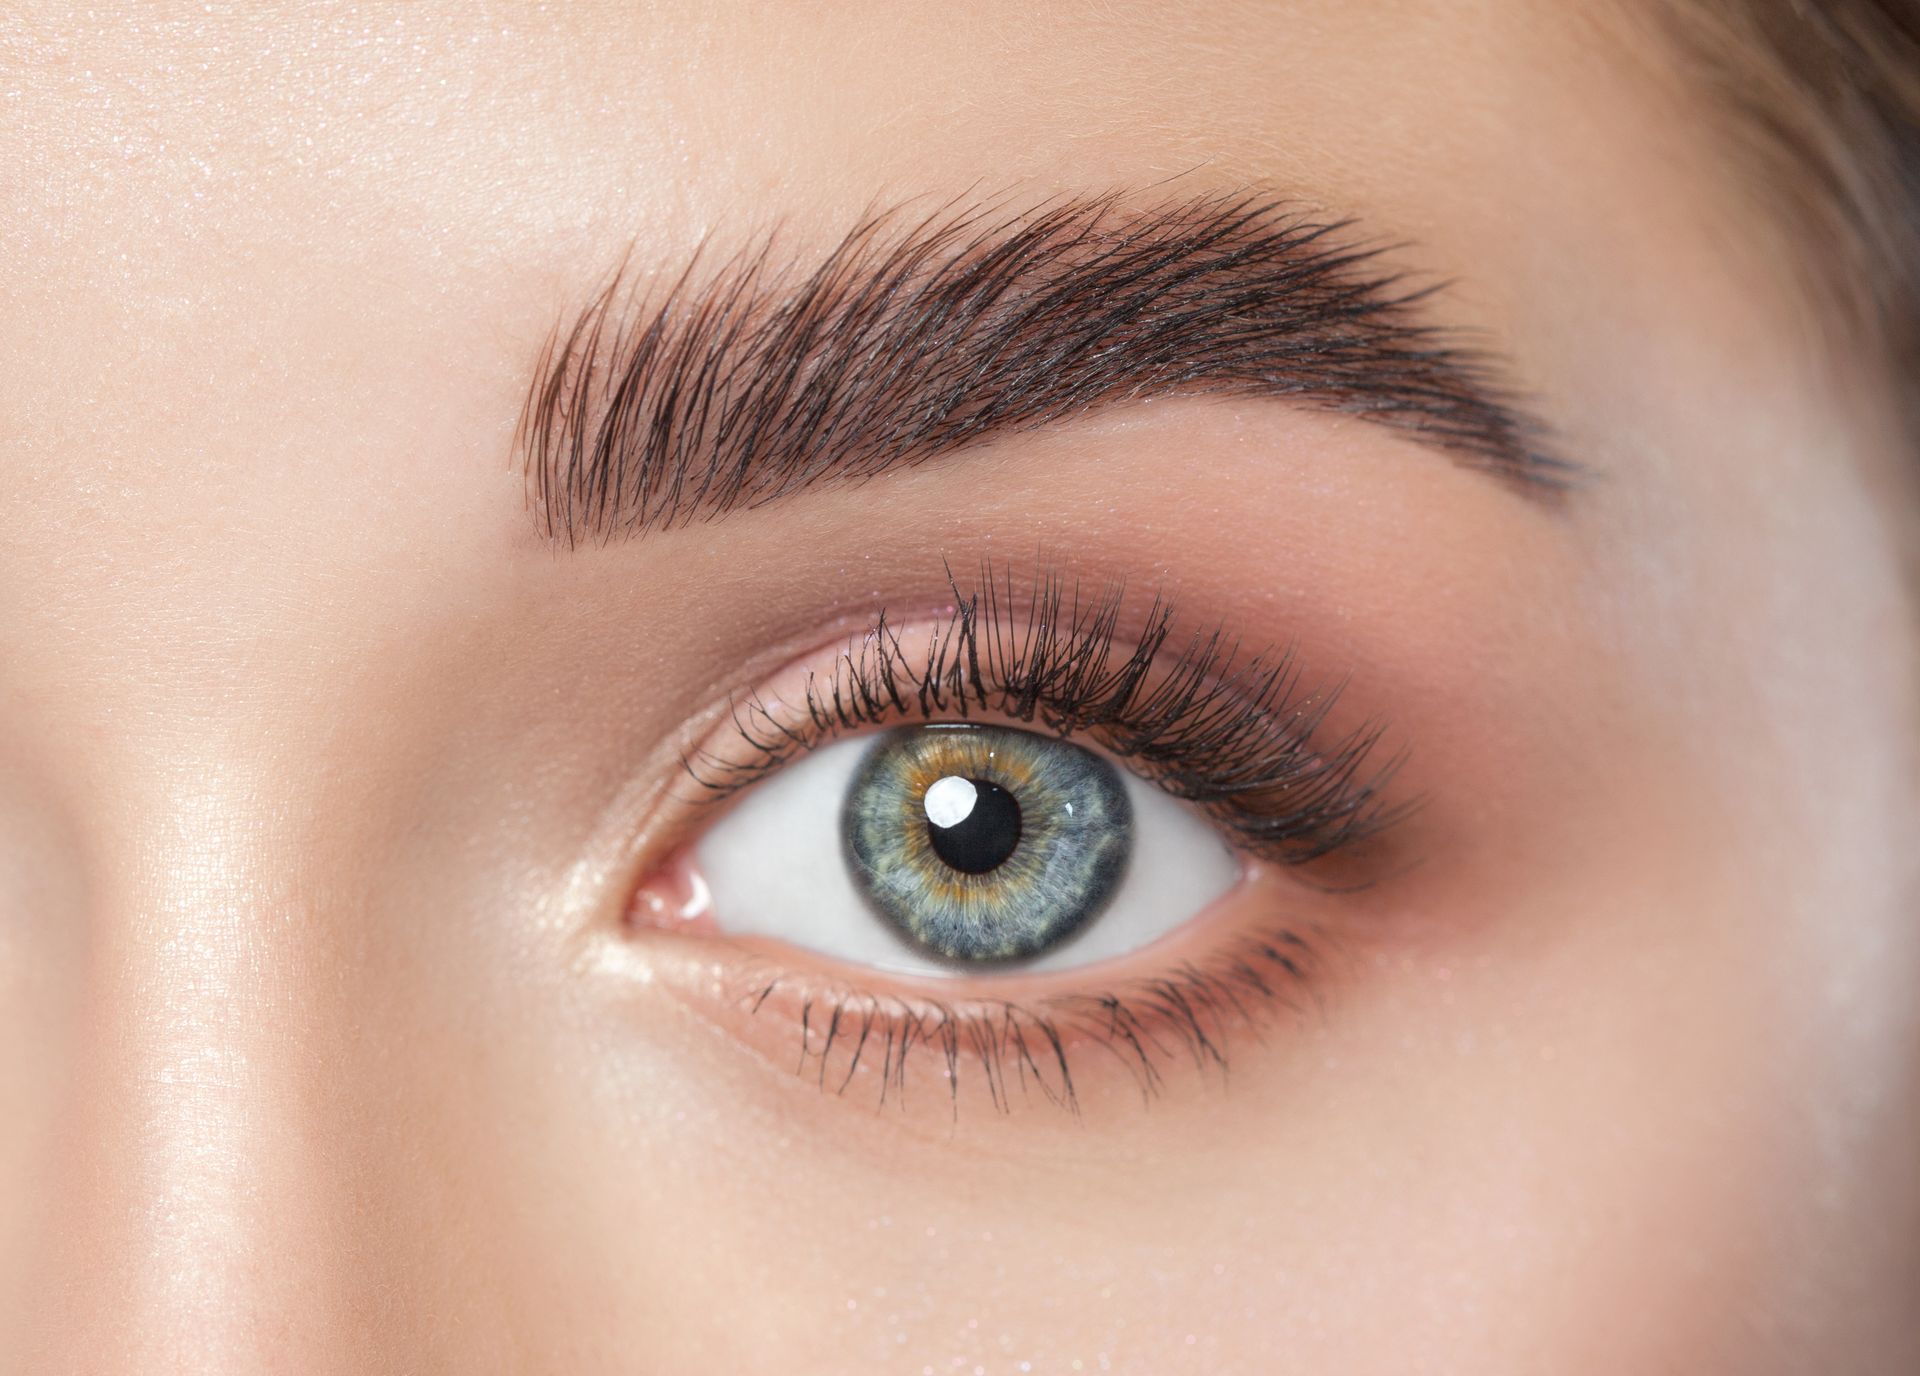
189, 1217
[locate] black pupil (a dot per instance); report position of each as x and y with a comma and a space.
985, 836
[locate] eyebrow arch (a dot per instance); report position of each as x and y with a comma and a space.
744, 385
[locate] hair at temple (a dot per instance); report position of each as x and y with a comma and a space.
743, 383
1821, 100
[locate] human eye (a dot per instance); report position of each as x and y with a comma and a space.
1029, 823
954, 848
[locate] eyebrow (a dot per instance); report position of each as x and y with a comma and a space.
743, 385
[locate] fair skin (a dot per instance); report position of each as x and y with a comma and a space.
329, 1040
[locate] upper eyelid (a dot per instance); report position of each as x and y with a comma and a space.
1226, 732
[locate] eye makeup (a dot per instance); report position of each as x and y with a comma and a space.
1012, 671
1043, 1044
1244, 738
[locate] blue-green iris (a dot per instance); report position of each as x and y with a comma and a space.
986, 844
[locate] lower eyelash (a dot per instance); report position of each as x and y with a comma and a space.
1022, 1052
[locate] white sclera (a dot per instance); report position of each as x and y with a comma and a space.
776, 865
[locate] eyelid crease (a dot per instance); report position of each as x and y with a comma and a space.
1237, 736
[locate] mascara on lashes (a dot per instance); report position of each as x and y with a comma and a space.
1021, 1051
1242, 738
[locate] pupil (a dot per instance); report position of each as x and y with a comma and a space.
973, 825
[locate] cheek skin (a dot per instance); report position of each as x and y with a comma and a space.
1765, 603
1542, 1117
44, 898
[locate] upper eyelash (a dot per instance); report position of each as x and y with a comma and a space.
1236, 736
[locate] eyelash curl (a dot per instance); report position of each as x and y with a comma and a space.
1237, 737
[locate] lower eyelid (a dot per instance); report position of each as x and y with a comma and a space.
1123, 1031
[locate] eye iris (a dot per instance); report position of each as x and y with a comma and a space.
985, 844
974, 824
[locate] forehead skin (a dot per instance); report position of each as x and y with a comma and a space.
271, 598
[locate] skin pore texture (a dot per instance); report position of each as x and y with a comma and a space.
328, 777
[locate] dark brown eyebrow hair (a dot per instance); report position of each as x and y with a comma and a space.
914, 338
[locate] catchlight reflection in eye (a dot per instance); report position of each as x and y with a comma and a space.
957, 847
